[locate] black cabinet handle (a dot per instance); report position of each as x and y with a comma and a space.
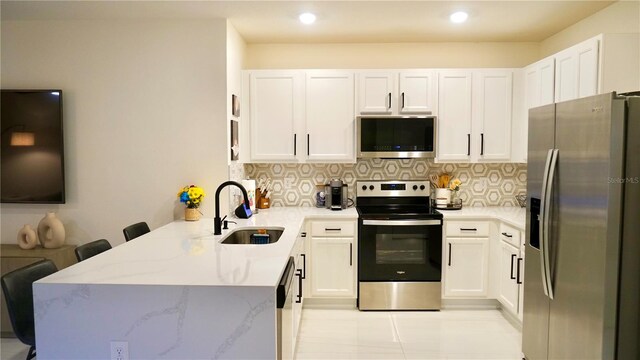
402, 100
307, 144
332, 229
513, 256
304, 266
350, 254
389, 101
294, 144
518, 280
507, 235
304, 234
468, 229
299, 296
449, 254
482, 144
468, 144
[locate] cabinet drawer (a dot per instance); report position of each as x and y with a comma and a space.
510, 235
467, 228
333, 228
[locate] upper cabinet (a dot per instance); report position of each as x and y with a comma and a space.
299, 116
275, 113
394, 93
330, 117
577, 71
475, 112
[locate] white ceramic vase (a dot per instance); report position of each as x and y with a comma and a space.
51, 231
27, 237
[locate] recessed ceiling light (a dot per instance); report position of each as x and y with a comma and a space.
458, 17
307, 18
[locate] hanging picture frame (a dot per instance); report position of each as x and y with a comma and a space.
235, 146
235, 105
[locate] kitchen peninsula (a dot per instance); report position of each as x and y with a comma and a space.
173, 293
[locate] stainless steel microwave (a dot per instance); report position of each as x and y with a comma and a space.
396, 137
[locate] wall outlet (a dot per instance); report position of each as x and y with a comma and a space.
119, 350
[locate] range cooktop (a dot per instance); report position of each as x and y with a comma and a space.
394, 200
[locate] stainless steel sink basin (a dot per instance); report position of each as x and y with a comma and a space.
251, 236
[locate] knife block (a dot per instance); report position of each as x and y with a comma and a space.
261, 201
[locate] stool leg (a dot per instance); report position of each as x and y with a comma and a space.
32, 353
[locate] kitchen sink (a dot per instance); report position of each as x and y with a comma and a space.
253, 236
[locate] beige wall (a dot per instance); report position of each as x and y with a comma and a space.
391, 55
144, 114
621, 17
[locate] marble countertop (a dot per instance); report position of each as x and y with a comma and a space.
187, 253
512, 215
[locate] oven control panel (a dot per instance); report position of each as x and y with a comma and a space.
392, 188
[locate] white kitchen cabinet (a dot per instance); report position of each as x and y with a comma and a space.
577, 71
275, 113
466, 267
492, 114
508, 290
540, 83
330, 117
395, 93
333, 267
417, 92
376, 90
454, 119
475, 114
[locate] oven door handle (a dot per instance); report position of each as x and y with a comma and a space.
402, 222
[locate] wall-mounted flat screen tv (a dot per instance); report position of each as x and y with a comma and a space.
32, 150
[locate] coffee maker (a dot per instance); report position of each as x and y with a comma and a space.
336, 195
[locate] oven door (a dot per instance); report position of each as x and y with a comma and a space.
400, 250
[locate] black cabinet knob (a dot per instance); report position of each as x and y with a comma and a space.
421, 187
364, 187
370, 187
415, 187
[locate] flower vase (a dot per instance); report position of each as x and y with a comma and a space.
191, 214
27, 238
455, 198
51, 231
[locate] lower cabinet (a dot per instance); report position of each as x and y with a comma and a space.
333, 267
466, 267
509, 289
332, 257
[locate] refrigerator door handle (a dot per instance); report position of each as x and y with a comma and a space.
543, 211
546, 219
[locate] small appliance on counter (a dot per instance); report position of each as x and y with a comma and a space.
336, 195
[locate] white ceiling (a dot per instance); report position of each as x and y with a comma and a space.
338, 21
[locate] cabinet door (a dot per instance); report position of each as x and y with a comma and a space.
417, 92
376, 91
587, 62
508, 288
492, 113
466, 269
275, 114
566, 75
547, 75
532, 86
332, 267
520, 278
330, 118
454, 120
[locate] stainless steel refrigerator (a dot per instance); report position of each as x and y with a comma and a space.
582, 273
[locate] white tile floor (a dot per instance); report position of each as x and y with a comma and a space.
352, 334
448, 334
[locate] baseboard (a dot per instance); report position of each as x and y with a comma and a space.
511, 318
329, 303
470, 304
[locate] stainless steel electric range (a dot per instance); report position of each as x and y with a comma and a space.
399, 246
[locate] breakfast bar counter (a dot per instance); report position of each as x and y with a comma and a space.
174, 293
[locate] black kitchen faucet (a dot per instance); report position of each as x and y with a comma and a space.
217, 222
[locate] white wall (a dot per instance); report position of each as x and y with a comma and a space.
144, 113
619, 18
391, 55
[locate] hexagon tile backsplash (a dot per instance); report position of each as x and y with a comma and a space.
482, 184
